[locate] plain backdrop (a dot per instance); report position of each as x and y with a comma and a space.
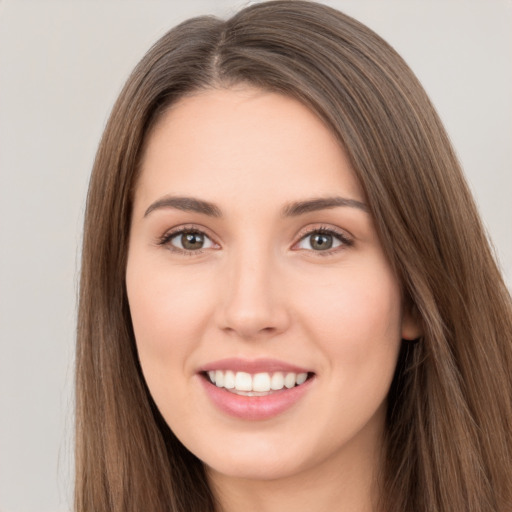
62, 64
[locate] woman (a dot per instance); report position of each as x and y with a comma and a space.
287, 299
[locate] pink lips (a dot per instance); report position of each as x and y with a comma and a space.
254, 408
254, 366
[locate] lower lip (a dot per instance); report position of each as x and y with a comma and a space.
255, 408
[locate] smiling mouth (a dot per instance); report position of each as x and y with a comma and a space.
258, 384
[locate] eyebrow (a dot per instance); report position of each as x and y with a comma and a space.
323, 203
192, 204
186, 204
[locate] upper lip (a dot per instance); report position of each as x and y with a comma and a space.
253, 366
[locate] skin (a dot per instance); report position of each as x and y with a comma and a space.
258, 289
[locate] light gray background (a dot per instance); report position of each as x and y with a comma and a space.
62, 63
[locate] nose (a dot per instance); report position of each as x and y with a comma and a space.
253, 301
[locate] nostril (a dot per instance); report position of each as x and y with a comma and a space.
250, 330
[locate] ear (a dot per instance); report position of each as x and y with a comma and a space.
412, 328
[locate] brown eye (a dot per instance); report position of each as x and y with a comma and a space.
190, 241
323, 240
320, 241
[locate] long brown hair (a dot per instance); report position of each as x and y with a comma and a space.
449, 422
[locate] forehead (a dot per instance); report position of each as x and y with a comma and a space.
243, 142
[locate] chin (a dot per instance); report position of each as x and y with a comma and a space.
255, 467
257, 457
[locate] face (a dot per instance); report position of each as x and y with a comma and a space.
263, 306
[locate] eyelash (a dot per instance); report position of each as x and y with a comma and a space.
167, 237
322, 230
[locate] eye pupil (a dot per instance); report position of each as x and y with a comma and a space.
321, 242
192, 241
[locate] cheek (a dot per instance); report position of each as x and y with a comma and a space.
165, 305
168, 311
165, 312
355, 321
356, 318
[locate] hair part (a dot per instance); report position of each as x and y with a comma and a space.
448, 443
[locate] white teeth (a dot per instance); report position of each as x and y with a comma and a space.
219, 379
243, 381
262, 382
229, 379
277, 381
289, 380
301, 378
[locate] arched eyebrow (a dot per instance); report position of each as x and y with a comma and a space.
186, 204
192, 204
322, 203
